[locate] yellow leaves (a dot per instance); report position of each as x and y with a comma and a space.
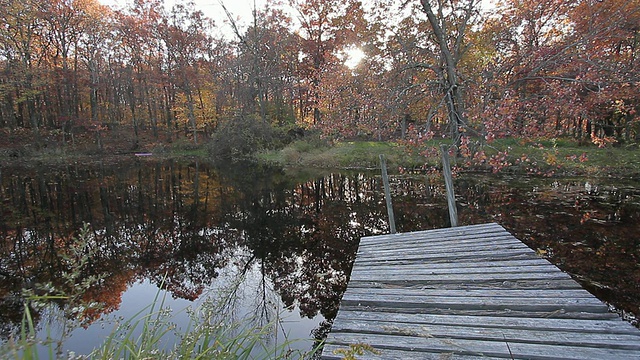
551, 159
356, 349
603, 141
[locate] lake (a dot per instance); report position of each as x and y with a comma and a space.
276, 246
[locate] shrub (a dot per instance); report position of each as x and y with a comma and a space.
240, 138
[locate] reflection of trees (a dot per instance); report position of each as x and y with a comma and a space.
302, 239
148, 221
188, 222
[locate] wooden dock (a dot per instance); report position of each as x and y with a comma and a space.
471, 292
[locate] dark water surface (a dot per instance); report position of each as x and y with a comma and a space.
283, 241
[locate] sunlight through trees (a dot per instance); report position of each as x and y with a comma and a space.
380, 69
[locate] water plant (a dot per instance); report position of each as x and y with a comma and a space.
202, 339
212, 333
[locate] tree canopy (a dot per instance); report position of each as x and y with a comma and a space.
451, 68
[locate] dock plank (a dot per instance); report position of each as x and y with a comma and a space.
543, 323
471, 292
480, 348
520, 284
569, 338
504, 293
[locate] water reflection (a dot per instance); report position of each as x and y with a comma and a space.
184, 225
181, 225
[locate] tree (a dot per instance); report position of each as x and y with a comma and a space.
267, 60
559, 67
138, 45
609, 67
23, 48
184, 34
93, 48
450, 22
352, 97
322, 25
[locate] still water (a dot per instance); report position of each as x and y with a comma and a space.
281, 242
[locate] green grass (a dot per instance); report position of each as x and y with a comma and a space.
144, 335
541, 157
202, 339
537, 156
567, 156
344, 155
205, 337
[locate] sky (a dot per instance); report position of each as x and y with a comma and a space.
242, 13
240, 9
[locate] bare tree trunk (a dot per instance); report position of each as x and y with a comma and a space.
450, 58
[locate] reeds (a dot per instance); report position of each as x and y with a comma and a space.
212, 332
205, 337
151, 334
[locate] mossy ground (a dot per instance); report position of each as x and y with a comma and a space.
543, 157
538, 157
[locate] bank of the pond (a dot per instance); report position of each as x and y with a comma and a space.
544, 158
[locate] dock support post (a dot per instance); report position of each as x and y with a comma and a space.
448, 180
387, 194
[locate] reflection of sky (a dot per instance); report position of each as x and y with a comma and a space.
137, 299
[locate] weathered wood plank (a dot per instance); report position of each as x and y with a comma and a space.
506, 293
427, 257
542, 324
487, 231
468, 277
434, 245
496, 284
438, 233
436, 270
468, 292
495, 246
462, 264
471, 239
506, 313
480, 348
330, 352
446, 258
506, 241
480, 302
531, 336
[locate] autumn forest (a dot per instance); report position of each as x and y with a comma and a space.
455, 68
81, 80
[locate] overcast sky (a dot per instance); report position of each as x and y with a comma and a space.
240, 9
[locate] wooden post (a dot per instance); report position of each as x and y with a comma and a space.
448, 180
387, 195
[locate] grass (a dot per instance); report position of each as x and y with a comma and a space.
203, 339
566, 156
539, 157
344, 155
213, 331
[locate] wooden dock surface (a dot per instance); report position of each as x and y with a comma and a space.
471, 292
